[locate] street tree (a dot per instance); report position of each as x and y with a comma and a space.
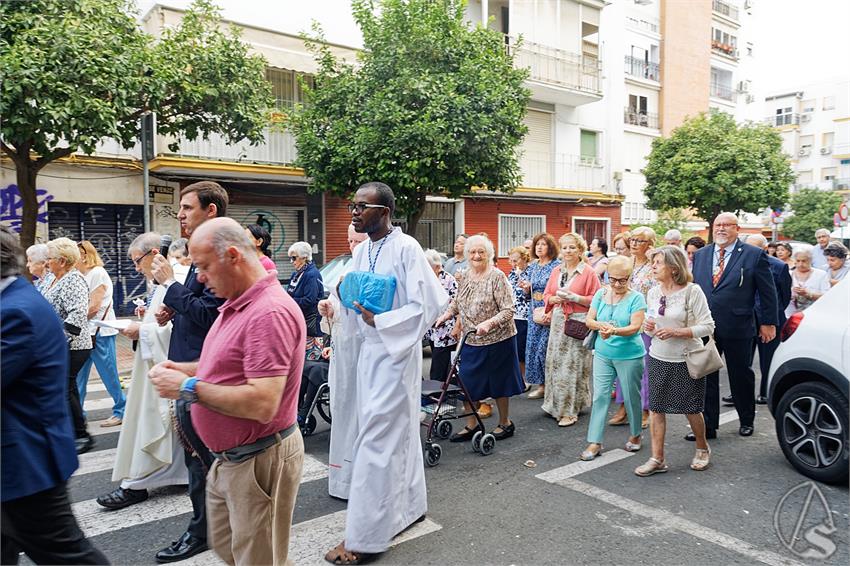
432, 105
711, 164
812, 209
78, 72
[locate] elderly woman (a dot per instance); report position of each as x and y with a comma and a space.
620, 244
440, 336
69, 296
489, 366
785, 252
262, 241
545, 250
305, 287
37, 266
836, 259
519, 258
617, 314
567, 297
599, 257
641, 242
677, 318
808, 284
691, 247
103, 355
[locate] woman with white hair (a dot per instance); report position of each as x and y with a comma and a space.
808, 284
489, 366
68, 293
440, 336
306, 289
37, 266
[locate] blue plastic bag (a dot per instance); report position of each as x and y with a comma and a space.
375, 292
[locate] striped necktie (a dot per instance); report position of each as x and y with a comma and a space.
718, 272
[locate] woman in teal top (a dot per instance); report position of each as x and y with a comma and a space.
617, 314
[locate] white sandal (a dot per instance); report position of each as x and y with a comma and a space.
701, 459
652, 466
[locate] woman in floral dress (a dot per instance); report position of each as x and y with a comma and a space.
519, 258
545, 249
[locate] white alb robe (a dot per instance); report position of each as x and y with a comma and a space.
148, 453
387, 490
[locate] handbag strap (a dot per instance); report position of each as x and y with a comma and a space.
106, 312
688, 304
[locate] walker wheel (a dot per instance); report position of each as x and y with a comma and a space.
476, 441
308, 426
444, 429
488, 444
432, 455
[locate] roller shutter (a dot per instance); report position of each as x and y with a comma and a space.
536, 162
285, 224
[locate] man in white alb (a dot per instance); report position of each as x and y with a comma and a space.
387, 492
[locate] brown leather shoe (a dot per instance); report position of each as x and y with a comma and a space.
485, 410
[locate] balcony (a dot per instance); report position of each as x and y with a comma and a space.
563, 171
278, 149
841, 184
724, 92
779, 120
724, 49
725, 9
644, 119
646, 24
557, 76
643, 70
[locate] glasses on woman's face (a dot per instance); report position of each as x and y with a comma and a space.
292, 258
141, 257
663, 307
618, 280
638, 241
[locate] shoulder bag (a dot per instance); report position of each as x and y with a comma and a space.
574, 328
704, 359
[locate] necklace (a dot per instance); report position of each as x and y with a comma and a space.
372, 262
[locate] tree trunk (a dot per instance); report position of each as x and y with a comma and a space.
415, 216
27, 172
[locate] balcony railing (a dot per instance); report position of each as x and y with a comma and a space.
841, 184
721, 91
633, 117
557, 66
724, 49
778, 120
725, 9
562, 171
278, 149
644, 24
641, 69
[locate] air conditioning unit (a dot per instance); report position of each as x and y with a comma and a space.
744, 86
825, 150
805, 117
750, 99
804, 152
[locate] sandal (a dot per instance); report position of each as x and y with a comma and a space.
587, 455
632, 446
567, 420
465, 434
339, 555
701, 459
652, 466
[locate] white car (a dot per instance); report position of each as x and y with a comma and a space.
809, 387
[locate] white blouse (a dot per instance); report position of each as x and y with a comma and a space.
700, 322
818, 281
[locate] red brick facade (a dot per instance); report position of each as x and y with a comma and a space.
337, 219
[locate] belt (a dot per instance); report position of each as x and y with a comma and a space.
242, 453
537, 296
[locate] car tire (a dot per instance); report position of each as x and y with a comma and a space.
812, 429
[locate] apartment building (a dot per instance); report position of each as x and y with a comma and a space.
814, 122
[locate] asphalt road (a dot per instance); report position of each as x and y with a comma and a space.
497, 510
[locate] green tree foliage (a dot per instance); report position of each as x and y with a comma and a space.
711, 164
78, 71
812, 209
433, 105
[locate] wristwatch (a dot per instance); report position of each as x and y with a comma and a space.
187, 390
169, 282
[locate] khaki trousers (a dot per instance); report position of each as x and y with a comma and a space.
250, 504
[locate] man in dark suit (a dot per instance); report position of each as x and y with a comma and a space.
731, 274
782, 281
38, 441
192, 309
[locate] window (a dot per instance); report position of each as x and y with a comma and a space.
828, 102
804, 177
637, 103
828, 173
589, 152
286, 86
514, 229
749, 49
784, 116
806, 142
808, 105
827, 138
591, 228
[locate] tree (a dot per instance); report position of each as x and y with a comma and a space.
433, 106
711, 164
79, 71
672, 218
812, 209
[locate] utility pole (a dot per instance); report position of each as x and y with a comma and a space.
147, 154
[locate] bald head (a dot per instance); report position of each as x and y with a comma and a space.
725, 228
225, 260
757, 240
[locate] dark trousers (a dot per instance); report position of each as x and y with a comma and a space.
198, 461
315, 375
78, 358
738, 356
766, 352
441, 361
43, 526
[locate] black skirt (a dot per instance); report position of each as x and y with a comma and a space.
491, 371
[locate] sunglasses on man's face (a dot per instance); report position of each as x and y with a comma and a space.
360, 207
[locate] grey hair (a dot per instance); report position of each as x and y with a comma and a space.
762, 241
37, 253
11, 254
806, 251
675, 259
820, 231
145, 243
180, 245
232, 235
479, 240
433, 257
673, 234
302, 249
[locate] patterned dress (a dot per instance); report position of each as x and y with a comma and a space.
441, 335
538, 336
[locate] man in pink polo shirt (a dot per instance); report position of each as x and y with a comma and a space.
245, 390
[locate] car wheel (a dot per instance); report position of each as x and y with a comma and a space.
811, 425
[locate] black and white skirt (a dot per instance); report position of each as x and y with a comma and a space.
672, 390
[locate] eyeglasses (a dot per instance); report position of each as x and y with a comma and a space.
622, 281
360, 207
292, 258
724, 225
663, 307
636, 241
140, 258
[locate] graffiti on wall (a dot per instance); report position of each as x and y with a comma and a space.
12, 206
